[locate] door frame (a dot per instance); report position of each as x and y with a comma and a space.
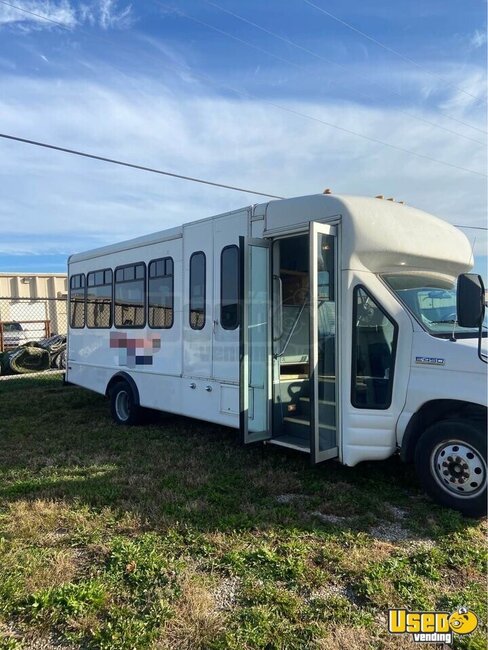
245, 244
316, 455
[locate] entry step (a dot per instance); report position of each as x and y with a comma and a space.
292, 442
296, 427
306, 423
321, 401
327, 410
327, 388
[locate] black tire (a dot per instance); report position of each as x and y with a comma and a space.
123, 405
450, 459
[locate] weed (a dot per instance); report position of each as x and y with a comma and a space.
171, 535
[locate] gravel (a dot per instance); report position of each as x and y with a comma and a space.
226, 593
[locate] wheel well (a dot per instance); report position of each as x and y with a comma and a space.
440, 409
120, 377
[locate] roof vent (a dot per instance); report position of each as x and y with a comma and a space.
390, 198
379, 196
327, 191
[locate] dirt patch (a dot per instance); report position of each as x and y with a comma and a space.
390, 532
226, 593
330, 519
285, 499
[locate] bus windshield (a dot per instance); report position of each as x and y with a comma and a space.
432, 300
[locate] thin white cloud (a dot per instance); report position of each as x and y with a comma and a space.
243, 143
474, 83
170, 53
112, 17
478, 39
411, 83
49, 14
108, 14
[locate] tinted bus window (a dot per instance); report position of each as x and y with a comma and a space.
229, 288
99, 299
197, 290
129, 290
77, 301
161, 293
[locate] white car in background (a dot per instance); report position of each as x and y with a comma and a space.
13, 335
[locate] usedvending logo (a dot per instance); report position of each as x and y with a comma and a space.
430, 361
432, 627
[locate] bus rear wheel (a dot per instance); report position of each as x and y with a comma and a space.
450, 458
123, 405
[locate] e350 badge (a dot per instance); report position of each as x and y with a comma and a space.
430, 361
432, 627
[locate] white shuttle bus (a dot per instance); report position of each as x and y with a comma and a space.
325, 324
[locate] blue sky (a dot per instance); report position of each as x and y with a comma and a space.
155, 83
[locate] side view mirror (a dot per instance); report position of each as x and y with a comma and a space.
470, 300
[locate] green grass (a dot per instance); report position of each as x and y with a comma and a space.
172, 536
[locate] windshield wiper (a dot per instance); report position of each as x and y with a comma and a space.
442, 322
449, 322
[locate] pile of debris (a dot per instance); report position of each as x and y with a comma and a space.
35, 356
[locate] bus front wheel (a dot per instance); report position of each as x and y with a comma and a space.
450, 458
123, 406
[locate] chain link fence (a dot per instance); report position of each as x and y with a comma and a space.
32, 334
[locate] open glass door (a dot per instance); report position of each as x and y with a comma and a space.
323, 339
255, 340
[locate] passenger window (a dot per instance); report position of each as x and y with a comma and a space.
197, 290
129, 290
161, 293
77, 301
229, 288
99, 299
374, 342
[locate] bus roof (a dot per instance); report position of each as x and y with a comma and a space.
377, 234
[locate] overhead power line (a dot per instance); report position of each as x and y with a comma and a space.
157, 171
390, 49
133, 166
471, 227
33, 13
178, 12
291, 111
322, 58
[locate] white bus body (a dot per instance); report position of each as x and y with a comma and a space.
326, 326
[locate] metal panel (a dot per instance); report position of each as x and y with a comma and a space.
225, 354
197, 343
255, 340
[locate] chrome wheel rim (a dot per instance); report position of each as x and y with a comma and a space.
122, 407
458, 468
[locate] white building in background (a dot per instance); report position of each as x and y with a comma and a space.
37, 301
